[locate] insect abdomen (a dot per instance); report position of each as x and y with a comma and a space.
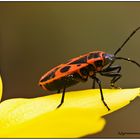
66, 81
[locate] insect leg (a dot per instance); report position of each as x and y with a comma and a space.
112, 68
109, 73
115, 78
101, 92
62, 99
94, 82
58, 91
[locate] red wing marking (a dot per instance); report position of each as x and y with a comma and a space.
59, 74
70, 67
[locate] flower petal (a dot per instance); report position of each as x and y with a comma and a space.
1, 87
61, 123
78, 116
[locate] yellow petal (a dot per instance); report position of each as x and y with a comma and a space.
1, 87
78, 116
63, 123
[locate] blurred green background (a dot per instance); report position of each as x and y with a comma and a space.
36, 36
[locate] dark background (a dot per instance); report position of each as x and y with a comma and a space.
36, 36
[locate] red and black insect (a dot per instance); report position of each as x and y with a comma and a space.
81, 68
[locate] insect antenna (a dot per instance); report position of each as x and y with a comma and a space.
127, 40
128, 59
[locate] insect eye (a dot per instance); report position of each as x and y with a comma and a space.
108, 58
98, 63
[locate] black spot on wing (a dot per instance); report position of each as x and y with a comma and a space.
50, 75
94, 55
65, 69
80, 60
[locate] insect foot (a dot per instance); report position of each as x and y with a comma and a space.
114, 87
